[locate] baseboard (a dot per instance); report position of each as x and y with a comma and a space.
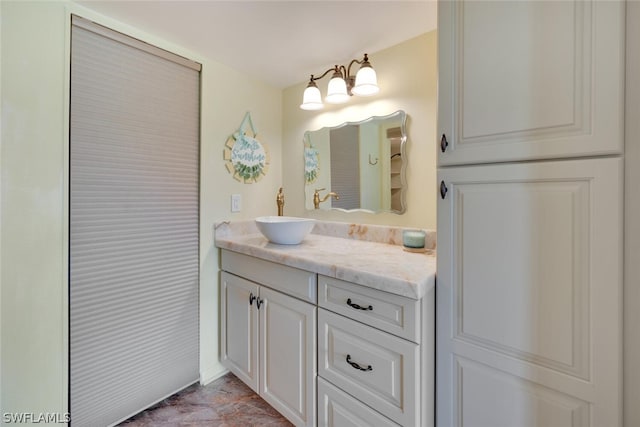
208, 376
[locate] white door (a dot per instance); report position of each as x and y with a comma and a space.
239, 325
288, 356
523, 80
529, 295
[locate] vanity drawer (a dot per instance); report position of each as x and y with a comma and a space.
375, 367
298, 283
392, 313
337, 409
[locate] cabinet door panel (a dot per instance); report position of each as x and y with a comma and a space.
529, 290
513, 403
239, 325
288, 356
530, 79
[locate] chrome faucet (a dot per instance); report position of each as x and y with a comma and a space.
280, 202
317, 200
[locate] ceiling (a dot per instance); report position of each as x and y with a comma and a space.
279, 42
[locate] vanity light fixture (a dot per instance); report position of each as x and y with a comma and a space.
342, 85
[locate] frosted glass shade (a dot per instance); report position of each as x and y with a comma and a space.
366, 82
311, 99
337, 91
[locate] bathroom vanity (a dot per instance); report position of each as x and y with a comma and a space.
335, 331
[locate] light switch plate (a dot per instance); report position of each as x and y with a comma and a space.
236, 202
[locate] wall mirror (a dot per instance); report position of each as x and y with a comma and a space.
362, 162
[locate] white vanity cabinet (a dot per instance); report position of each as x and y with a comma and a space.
329, 352
269, 337
369, 353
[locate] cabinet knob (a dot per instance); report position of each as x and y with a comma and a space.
443, 190
259, 302
444, 143
356, 366
251, 298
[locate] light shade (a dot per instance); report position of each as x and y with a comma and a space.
366, 81
337, 90
311, 99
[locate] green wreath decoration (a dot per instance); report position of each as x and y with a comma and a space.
247, 159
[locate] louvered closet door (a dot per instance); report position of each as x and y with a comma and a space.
134, 178
345, 178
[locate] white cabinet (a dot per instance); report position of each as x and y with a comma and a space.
269, 339
529, 253
524, 80
529, 294
376, 348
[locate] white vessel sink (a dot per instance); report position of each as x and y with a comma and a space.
284, 230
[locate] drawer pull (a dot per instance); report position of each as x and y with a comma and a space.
355, 365
357, 307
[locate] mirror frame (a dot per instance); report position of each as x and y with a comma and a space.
403, 179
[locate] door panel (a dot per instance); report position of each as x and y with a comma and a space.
288, 356
507, 265
239, 343
530, 79
512, 402
529, 290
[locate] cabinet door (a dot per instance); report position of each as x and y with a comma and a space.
529, 295
288, 356
239, 326
522, 80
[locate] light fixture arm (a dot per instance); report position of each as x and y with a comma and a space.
355, 61
345, 72
313, 79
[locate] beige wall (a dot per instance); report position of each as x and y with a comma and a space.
632, 222
32, 265
34, 197
407, 79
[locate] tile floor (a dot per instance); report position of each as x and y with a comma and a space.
226, 402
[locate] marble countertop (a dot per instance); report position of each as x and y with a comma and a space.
371, 256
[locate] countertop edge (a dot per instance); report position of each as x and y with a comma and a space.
257, 246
